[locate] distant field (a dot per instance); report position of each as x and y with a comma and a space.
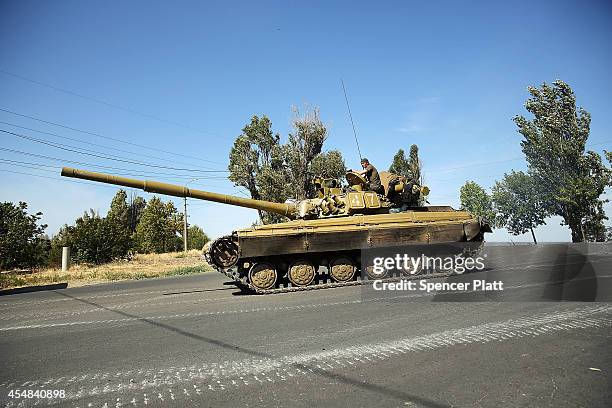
140, 267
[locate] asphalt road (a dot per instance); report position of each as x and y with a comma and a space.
545, 340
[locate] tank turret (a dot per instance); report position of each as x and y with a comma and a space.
331, 201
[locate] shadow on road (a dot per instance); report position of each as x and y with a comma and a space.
185, 292
573, 278
38, 288
400, 395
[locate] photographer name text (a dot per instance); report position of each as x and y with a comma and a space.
428, 286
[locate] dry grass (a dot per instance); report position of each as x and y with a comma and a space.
142, 266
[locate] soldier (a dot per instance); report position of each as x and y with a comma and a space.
371, 175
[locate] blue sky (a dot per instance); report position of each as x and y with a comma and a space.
185, 77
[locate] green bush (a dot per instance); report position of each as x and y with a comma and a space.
22, 241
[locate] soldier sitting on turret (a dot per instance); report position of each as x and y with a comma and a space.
371, 175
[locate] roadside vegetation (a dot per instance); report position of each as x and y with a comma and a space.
141, 266
563, 178
135, 240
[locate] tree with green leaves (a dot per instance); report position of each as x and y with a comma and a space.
118, 219
328, 164
518, 204
256, 163
414, 164
137, 205
304, 144
159, 228
570, 179
410, 167
400, 164
196, 237
22, 240
272, 171
303, 155
90, 239
475, 199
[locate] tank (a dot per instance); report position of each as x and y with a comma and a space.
329, 239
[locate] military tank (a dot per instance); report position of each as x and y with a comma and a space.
326, 241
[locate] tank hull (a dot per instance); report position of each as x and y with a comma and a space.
357, 232
321, 242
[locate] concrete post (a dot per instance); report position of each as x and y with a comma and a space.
65, 258
185, 228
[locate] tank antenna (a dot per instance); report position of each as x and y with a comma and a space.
351, 116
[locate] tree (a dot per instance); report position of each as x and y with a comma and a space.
256, 163
159, 227
136, 207
329, 165
272, 171
90, 239
414, 164
118, 220
518, 205
22, 240
196, 238
305, 143
570, 180
400, 164
409, 167
475, 199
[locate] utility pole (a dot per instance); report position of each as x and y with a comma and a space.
185, 227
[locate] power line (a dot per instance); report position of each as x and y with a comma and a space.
107, 137
97, 145
40, 156
30, 167
19, 163
30, 163
78, 150
69, 180
111, 105
60, 179
116, 158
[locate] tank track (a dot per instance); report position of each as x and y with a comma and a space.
289, 288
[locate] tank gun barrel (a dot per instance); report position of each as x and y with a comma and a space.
288, 210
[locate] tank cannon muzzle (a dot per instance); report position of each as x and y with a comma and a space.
286, 209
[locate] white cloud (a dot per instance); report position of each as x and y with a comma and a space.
422, 116
414, 128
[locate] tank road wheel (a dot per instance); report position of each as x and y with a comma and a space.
372, 274
263, 276
411, 270
342, 269
301, 273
